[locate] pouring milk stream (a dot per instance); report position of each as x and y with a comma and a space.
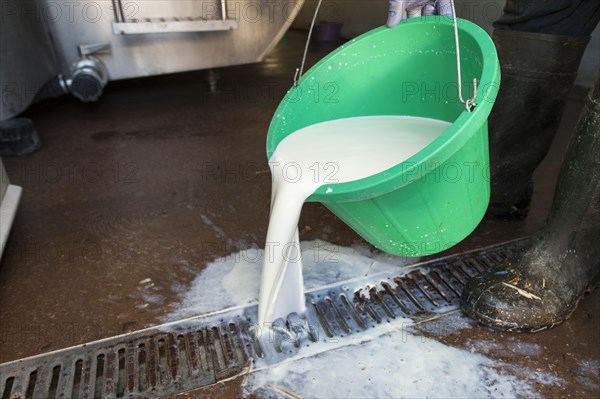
326, 153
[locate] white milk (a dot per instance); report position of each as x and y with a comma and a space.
331, 152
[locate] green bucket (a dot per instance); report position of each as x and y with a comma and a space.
437, 197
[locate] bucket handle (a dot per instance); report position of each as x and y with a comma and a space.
299, 71
470, 103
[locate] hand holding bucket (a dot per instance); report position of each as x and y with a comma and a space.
404, 9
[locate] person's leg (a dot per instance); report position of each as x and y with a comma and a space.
540, 45
552, 17
542, 288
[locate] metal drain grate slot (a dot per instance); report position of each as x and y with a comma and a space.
54, 382
449, 278
76, 380
99, 376
425, 298
7, 387
327, 329
353, 313
467, 270
438, 287
186, 355
252, 344
372, 312
407, 293
475, 265
203, 352
381, 300
340, 318
31, 385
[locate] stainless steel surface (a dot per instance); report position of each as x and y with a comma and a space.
9, 201
200, 351
4, 183
28, 60
145, 38
261, 26
94, 48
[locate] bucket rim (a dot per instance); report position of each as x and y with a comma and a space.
458, 133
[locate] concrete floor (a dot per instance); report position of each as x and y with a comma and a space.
159, 178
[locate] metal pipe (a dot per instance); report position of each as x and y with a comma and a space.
224, 10
118, 9
88, 79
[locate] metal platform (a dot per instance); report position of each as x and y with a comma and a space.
172, 25
203, 350
132, 26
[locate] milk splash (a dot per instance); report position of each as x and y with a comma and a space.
332, 152
382, 362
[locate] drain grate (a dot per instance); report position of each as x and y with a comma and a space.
192, 353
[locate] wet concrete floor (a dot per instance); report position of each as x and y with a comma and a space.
161, 177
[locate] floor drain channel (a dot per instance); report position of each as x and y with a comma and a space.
200, 351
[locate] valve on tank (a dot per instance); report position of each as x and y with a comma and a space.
88, 78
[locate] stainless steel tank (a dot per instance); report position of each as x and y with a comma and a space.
95, 41
27, 59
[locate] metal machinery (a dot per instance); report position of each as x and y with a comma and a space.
78, 46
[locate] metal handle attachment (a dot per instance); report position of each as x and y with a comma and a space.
469, 103
299, 71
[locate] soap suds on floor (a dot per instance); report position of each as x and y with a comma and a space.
390, 366
377, 363
445, 326
218, 231
517, 349
587, 374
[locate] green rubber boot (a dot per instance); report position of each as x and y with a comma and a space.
543, 287
537, 73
